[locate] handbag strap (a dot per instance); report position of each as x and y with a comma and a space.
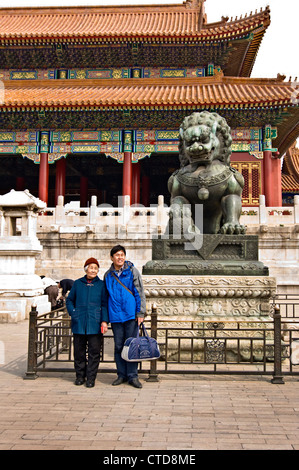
144, 330
122, 284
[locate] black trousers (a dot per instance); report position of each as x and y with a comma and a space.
87, 355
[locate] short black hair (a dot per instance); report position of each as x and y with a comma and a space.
117, 248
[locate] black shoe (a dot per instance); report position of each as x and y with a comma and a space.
135, 383
119, 380
79, 381
90, 383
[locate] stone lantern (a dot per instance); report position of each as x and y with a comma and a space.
20, 287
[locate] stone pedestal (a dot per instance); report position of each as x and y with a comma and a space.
20, 287
215, 275
215, 279
206, 254
213, 301
210, 297
17, 294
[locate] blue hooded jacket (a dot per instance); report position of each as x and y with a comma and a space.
122, 305
87, 304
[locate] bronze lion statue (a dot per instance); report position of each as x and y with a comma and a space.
206, 177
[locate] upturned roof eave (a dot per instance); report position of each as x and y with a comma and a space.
252, 92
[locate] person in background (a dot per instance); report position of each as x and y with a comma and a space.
126, 307
87, 307
51, 290
65, 285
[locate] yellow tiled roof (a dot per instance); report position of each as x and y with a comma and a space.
290, 170
121, 22
148, 92
289, 183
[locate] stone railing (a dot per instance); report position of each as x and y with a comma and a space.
264, 215
131, 220
70, 233
134, 220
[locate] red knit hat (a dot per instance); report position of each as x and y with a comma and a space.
91, 261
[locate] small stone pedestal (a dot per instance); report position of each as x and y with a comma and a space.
20, 287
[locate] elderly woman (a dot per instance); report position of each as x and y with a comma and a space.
87, 306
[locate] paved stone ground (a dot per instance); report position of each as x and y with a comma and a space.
177, 413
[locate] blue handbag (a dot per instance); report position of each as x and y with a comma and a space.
141, 348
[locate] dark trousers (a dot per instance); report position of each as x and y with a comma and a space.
121, 332
87, 355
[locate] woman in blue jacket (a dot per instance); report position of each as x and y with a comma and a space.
87, 306
126, 306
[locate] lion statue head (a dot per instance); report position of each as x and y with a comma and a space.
204, 137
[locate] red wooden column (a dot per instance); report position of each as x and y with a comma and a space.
136, 183
272, 169
272, 180
83, 191
43, 187
267, 176
277, 193
127, 175
60, 179
20, 183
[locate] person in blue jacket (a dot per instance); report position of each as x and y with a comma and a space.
126, 308
87, 304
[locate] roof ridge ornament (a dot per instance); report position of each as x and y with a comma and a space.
194, 3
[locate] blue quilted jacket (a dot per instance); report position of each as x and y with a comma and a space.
123, 306
87, 304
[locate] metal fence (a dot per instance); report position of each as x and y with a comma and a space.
269, 348
50, 344
289, 311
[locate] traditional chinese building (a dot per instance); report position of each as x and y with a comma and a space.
94, 97
290, 175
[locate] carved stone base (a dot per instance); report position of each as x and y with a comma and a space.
205, 297
216, 302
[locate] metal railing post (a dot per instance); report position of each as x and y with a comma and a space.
32, 338
277, 373
153, 374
